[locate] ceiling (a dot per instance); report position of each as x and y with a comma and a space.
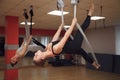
42, 20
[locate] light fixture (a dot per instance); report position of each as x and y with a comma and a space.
97, 17
57, 13
28, 23
66, 26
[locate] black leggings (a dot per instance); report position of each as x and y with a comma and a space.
74, 46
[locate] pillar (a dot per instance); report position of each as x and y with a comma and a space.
11, 44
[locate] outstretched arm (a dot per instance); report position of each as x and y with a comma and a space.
57, 48
57, 34
20, 53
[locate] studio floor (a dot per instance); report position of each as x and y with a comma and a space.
28, 71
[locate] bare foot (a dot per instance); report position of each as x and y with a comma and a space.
97, 66
91, 10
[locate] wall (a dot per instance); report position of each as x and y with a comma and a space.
102, 40
35, 32
117, 40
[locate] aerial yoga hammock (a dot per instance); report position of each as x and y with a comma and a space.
60, 6
74, 3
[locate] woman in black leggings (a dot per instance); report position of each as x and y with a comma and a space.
74, 46
55, 47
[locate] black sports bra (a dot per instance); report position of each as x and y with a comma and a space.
53, 43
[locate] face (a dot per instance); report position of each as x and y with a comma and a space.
38, 57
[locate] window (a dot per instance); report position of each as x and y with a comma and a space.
45, 40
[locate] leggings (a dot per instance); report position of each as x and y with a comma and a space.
74, 46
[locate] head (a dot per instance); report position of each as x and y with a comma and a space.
14, 60
39, 58
40, 63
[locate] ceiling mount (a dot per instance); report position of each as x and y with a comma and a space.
96, 18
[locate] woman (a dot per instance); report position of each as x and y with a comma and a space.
21, 51
56, 46
25, 47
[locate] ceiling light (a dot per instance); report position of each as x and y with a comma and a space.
66, 26
97, 17
57, 13
28, 23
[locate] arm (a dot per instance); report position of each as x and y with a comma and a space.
58, 47
57, 34
23, 50
20, 52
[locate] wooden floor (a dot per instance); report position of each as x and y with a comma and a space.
49, 72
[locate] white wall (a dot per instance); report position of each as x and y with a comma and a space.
102, 40
117, 41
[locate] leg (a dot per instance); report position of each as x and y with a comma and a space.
91, 10
88, 58
85, 56
97, 66
78, 36
87, 20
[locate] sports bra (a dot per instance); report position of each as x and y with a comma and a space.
53, 43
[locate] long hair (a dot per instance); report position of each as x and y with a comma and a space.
40, 63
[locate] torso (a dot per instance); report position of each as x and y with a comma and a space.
55, 50
49, 47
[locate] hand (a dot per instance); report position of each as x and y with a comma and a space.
14, 59
74, 21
